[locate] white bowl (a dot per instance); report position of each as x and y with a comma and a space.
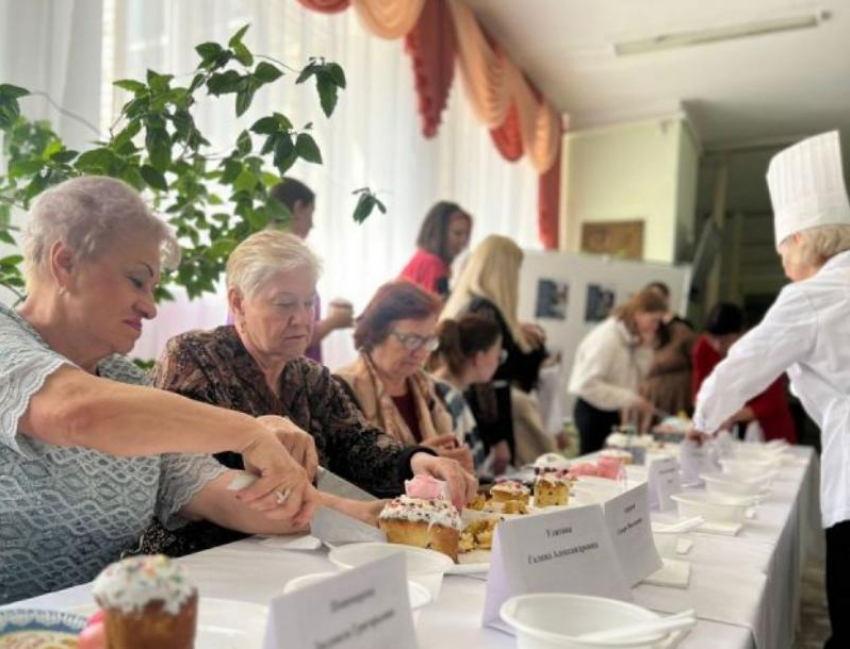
425, 567
552, 621
714, 508
758, 453
417, 593
727, 485
749, 469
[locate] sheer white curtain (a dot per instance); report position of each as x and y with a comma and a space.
373, 139
53, 48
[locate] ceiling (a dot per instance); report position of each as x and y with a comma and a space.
756, 93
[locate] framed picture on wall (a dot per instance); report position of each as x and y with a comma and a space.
552, 299
600, 300
619, 238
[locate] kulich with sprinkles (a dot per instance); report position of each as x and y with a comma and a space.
149, 602
431, 524
510, 490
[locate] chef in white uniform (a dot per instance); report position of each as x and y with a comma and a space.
806, 333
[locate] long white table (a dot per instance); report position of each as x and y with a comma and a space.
745, 589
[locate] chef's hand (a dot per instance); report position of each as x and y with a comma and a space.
697, 436
462, 485
301, 445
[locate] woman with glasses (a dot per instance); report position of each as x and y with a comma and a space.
394, 336
257, 366
470, 352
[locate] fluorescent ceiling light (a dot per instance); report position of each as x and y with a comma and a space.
716, 34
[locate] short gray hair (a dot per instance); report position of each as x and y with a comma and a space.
87, 214
818, 245
265, 254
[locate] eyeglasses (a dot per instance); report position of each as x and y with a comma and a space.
415, 342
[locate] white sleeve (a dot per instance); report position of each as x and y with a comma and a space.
786, 334
591, 375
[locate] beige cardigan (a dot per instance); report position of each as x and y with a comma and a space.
379, 410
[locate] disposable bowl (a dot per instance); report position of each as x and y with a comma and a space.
730, 485
552, 621
425, 567
714, 508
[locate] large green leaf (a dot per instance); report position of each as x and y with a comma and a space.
308, 149
267, 73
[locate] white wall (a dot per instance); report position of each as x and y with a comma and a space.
637, 171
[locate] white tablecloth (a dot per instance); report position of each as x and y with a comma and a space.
745, 589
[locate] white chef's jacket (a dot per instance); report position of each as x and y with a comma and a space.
806, 333
609, 365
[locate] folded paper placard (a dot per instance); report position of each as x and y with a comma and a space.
363, 608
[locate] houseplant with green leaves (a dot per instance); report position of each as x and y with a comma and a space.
213, 200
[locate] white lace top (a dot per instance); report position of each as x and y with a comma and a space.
65, 513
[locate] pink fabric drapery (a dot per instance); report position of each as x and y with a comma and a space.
548, 200
520, 120
326, 6
389, 18
508, 136
432, 48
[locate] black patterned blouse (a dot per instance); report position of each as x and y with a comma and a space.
214, 367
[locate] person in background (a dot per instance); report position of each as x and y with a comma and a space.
610, 363
301, 201
89, 452
805, 334
668, 383
508, 416
444, 234
470, 351
394, 336
724, 326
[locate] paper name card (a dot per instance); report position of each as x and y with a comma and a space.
364, 608
627, 517
695, 459
664, 481
565, 551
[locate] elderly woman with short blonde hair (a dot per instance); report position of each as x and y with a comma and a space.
88, 453
256, 366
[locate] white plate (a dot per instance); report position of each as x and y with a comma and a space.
222, 623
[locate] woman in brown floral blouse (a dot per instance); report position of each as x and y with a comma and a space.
256, 366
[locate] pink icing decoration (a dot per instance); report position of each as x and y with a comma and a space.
425, 487
585, 468
610, 467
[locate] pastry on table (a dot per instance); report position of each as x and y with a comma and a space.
431, 524
502, 492
149, 602
552, 489
478, 535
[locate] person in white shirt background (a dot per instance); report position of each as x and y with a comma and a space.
610, 363
806, 333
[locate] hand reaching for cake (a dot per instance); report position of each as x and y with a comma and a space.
447, 446
301, 445
462, 485
283, 486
